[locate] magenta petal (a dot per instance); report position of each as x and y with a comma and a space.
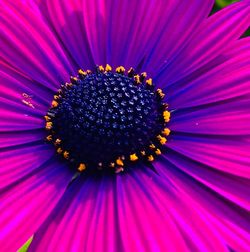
26, 205
230, 117
144, 213
18, 116
16, 86
15, 138
22, 102
119, 213
166, 41
18, 162
228, 222
145, 33
29, 46
219, 153
227, 77
124, 32
231, 187
213, 37
67, 19
88, 207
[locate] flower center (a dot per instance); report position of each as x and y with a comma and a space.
107, 119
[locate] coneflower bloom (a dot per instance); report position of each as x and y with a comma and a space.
124, 126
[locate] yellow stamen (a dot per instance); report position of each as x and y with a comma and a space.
66, 154
119, 162
160, 93
49, 138
68, 84
49, 125
73, 79
54, 104
82, 73
88, 72
149, 82
59, 150
101, 68
120, 69
152, 146
131, 71
143, 153
81, 167
56, 97
133, 157
166, 132
166, 113
108, 68
137, 79
162, 140
47, 118
150, 158
166, 116
58, 141
158, 152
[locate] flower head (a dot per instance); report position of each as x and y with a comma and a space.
124, 126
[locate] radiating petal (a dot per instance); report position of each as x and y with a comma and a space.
119, 213
16, 138
18, 117
29, 46
20, 88
212, 38
17, 162
227, 221
26, 205
23, 102
229, 155
225, 184
227, 77
85, 217
230, 117
124, 32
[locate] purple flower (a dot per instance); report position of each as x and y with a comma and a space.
195, 196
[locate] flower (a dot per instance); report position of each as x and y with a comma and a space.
192, 197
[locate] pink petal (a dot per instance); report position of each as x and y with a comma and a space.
26, 205
230, 223
119, 213
66, 18
225, 78
230, 117
19, 161
124, 33
227, 185
212, 38
182, 20
228, 155
18, 116
18, 87
29, 46
85, 217
14, 138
